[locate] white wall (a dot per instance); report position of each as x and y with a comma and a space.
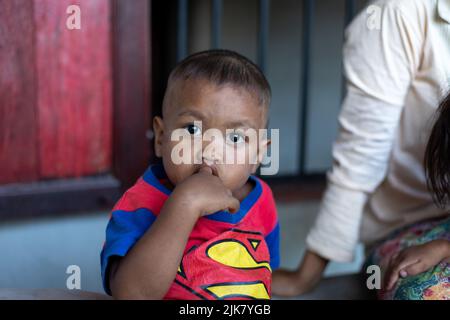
36, 254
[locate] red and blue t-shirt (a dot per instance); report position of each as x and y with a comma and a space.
227, 256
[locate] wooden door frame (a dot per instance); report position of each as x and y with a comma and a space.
132, 152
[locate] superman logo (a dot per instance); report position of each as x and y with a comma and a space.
234, 265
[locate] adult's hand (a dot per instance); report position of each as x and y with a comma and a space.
287, 283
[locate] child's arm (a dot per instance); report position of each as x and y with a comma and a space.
149, 268
415, 260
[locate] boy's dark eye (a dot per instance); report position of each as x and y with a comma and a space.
236, 137
193, 129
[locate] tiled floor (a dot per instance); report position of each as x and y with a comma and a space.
295, 221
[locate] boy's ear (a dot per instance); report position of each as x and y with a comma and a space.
158, 130
262, 151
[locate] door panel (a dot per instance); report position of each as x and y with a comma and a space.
74, 89
55, 90
18, 125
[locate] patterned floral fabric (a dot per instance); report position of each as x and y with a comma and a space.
433, 284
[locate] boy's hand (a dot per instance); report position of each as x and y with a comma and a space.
137, 276
415, 260
205, 193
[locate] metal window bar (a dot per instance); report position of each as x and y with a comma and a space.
308, 21
308, 12
350, 11
216, 23
182, 29
263, 33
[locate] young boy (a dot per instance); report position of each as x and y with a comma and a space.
204, 228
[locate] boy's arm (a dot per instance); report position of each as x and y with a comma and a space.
149, 268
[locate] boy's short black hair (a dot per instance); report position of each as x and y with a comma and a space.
224, 67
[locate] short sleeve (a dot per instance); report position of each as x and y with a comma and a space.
273, 243
124, 229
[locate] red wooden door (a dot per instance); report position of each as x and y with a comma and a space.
55, 90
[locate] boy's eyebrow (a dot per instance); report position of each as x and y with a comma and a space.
230, 125
193, 113
241, 123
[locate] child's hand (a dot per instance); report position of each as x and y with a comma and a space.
205, 193
415, 260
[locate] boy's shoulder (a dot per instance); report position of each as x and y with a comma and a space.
266, 193
263, 211
142, 195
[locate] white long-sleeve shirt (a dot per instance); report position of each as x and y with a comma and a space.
397, 67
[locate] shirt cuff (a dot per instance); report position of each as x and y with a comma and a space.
335, 233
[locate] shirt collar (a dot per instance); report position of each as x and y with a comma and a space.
156, 172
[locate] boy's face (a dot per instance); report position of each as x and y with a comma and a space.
226, 109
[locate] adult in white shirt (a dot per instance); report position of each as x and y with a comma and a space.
397, 69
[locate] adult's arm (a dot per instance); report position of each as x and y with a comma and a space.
380, 62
